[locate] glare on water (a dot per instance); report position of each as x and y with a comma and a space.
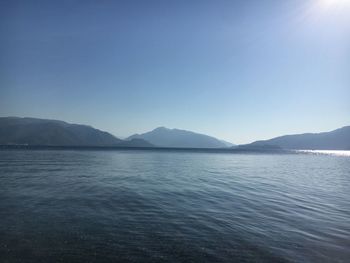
327, 152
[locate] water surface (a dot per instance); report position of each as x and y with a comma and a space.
173, 206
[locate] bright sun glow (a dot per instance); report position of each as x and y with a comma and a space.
333, 3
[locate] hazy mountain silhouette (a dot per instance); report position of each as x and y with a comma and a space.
164, 137
228, 144
135, 143
32, 131
334, 140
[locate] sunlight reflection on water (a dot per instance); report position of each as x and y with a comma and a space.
326, 152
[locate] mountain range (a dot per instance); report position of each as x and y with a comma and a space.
33, 131
175, 138
338, 139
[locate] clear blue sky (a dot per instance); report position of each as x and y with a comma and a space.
237, 70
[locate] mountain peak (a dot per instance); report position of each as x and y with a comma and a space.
161, 128
165, 137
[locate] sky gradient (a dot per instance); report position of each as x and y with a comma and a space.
236, 70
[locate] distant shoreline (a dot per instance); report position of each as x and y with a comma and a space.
161, 149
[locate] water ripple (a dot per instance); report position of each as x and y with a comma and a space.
122, 206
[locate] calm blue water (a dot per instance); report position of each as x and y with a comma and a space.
173, 206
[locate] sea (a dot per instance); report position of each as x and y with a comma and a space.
174, 205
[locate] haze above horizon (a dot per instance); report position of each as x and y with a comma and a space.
237, 70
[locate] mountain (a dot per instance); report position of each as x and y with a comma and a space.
135, 143
228, 144
164, 137
32, 131
334, 140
